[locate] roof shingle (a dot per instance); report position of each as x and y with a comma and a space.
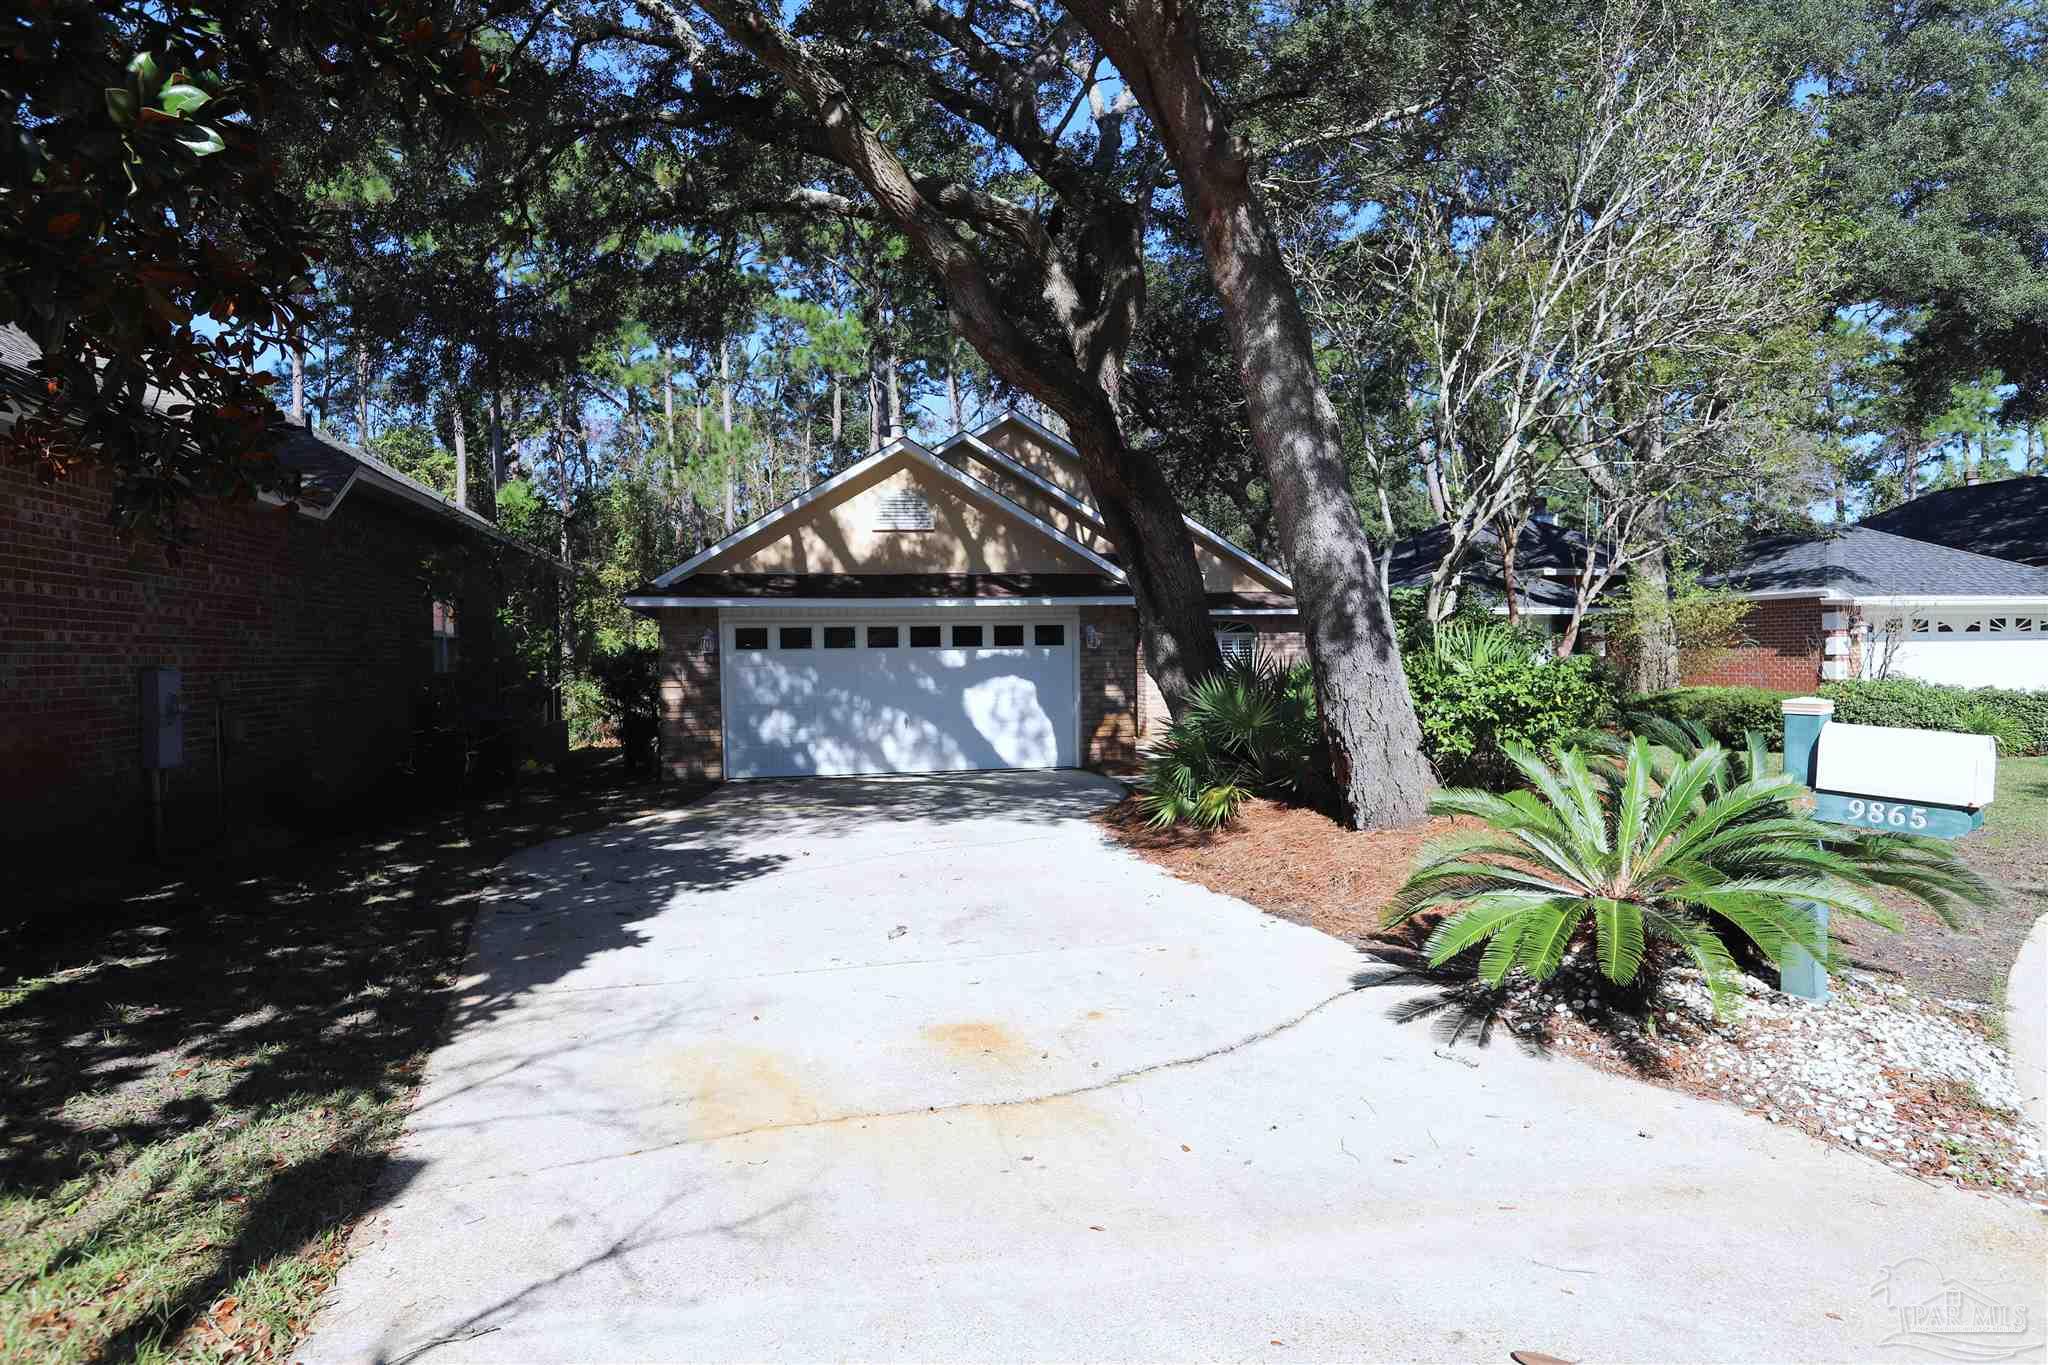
2007, 519
1861, 562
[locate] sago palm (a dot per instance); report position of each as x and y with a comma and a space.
1623, 854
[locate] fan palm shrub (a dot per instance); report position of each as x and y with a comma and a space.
1639, 860
1246, 731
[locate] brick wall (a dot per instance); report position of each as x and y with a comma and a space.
692, 735
309, 641
1782, 650
1109, 688
1280, 639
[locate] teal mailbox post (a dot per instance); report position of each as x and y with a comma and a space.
1799, 974
1883, 780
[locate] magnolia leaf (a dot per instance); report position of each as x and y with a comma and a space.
181, 98
121, 105
205, 146
144, 69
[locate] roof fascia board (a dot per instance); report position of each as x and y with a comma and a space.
1985, 600
917, 603
767, 519
1219, 541
1012, 415
900, 446
374, 477
1010, 465
1044, 485
1784, 594
878, 603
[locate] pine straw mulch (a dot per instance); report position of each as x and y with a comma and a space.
1290, 861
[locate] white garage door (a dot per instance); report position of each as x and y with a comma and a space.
930, 692
1974, 649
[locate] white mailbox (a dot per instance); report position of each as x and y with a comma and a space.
1926, 767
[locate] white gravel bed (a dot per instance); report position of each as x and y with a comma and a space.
1914, 1083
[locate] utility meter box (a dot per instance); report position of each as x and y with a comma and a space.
163, 718
1919, 767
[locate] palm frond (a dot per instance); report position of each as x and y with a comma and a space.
1618, 933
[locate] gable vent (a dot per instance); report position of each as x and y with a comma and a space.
904, 512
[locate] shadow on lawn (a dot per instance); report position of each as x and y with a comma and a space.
217, 1002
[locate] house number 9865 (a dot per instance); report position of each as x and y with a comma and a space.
1888, 813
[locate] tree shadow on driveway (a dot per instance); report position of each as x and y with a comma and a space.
206, 1068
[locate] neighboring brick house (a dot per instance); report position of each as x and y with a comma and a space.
311, 646
950, 608
1867, 603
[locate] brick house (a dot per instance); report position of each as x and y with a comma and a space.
946, 608
312, 646
1867, 603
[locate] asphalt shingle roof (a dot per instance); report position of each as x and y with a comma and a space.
1861, 562
2007, 519
1541, 546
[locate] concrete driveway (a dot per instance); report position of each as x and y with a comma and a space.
925, 1068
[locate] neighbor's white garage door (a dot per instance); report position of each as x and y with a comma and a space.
949, 691
1975, 649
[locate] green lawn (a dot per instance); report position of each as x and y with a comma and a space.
2017, 821
201, 1076
1973, 964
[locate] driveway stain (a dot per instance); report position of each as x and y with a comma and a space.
733, 1089
980, 1039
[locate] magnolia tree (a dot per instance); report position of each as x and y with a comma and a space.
155, 250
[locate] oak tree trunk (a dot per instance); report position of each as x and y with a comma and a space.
1361, 692
1098, 312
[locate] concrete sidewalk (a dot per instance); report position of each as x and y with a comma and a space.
926, 1069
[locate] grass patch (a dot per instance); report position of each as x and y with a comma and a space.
204, 1074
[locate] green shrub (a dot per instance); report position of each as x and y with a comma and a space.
2019, 720
1473, 709
2005, 730
630, 679
1466, 646
1623, 859
585, 709
1248, 730
1726, 713
1413, 632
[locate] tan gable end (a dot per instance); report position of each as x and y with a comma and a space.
848, 533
